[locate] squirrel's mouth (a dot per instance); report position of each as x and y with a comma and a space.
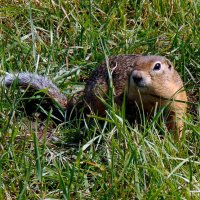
141, 84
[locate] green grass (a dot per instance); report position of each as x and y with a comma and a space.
107, 158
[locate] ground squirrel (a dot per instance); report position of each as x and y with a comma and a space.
147, 81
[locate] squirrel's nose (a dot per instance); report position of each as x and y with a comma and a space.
137, 79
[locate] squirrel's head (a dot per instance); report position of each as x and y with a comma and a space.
151, 75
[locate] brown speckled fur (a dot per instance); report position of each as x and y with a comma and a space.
165, 88
98, 82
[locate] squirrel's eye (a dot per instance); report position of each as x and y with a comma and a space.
157, 66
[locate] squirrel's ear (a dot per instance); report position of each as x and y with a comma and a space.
170, 65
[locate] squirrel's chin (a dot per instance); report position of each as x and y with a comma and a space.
142, 88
